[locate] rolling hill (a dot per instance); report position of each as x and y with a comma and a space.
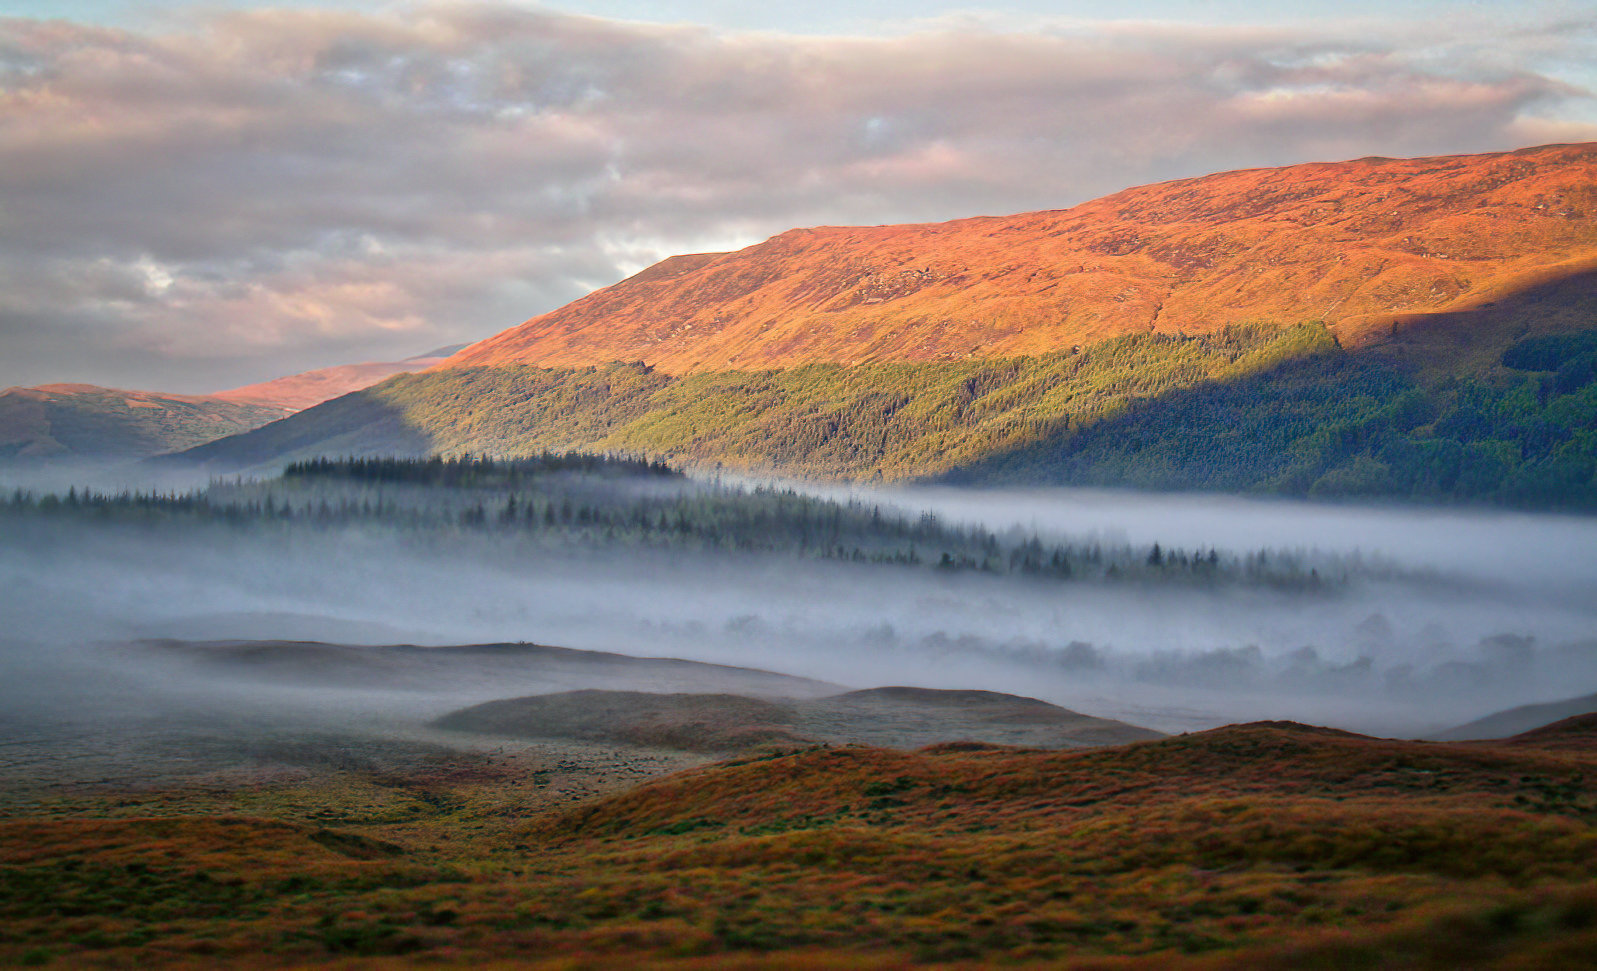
87, 421
1267, 845
899, 717
1422, 329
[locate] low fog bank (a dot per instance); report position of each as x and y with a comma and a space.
1532, 552
58, 474
1405, 655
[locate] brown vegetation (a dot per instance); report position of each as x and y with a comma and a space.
898, 717
691, 722
1264, 846
1370, 246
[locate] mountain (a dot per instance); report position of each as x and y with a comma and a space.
1355, 244
1422, 329
300, 391
1521, 720
91, 422
87, 421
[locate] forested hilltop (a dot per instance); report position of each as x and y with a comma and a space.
1250, 408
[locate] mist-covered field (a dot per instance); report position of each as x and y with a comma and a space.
1405, 622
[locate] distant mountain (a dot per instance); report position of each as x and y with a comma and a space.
1522, 720
85, 421
1359, 245
300, 391
91, 422
1422, 329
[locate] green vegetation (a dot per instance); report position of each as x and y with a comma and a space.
1332, 425
1252, 408
475, 472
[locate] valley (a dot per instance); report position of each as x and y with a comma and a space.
1198, 577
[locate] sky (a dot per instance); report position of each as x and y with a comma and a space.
197, 197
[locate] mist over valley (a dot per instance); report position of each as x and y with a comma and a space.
1385, 620
969, 487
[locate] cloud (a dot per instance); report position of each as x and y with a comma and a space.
272, 190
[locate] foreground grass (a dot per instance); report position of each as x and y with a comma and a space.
1262, 845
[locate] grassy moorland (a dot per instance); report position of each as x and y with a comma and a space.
1266, 845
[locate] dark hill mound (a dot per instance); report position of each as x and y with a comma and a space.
895, 717
947, 697
916, 717
692, 722
474, 668
1578, 732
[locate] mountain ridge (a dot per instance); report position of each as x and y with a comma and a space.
1362, 245
308, 388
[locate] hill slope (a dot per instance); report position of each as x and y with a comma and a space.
300, 391
1351, 243
1263, 846
87, 421
92, 422
1459, 364
900, 717
1250, 410
1525, 718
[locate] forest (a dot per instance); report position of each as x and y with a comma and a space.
564, 501
1251, 408
1330, 425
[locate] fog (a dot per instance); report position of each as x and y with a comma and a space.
1457, 614
1532, 550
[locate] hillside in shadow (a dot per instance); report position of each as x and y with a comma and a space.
359, 423
1494, 404
1489, 404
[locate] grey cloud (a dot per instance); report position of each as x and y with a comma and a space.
267, 189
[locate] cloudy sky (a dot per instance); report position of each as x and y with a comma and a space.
194, 198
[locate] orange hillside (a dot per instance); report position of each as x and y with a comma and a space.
1356, 244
